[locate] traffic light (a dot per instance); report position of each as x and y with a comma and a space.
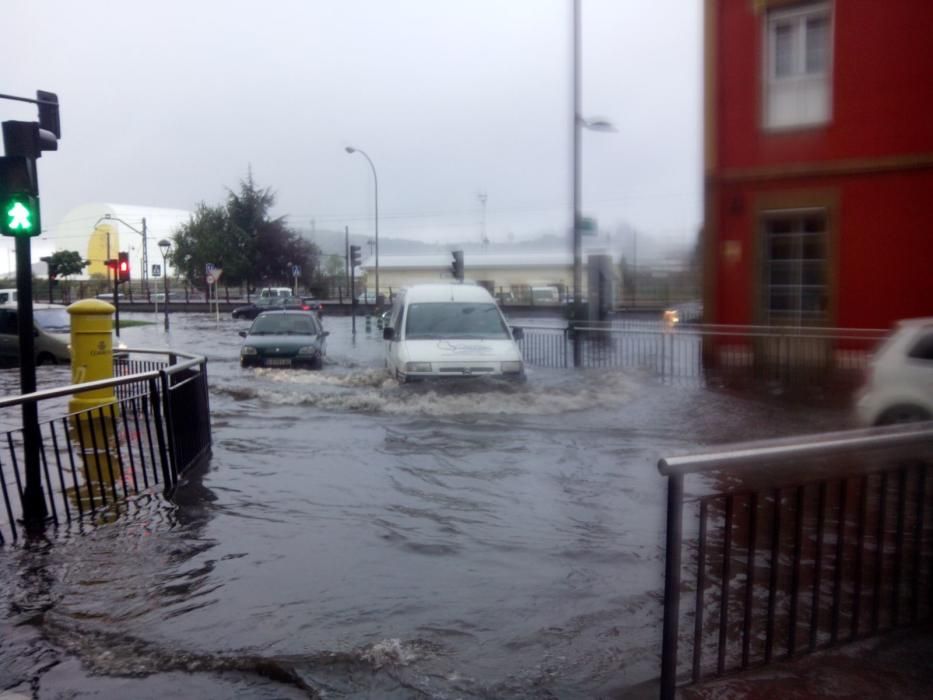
354, 256
123, 267
20, 215
456, 267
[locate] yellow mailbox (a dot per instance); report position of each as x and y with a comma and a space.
91, 351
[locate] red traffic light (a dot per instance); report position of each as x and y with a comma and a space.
123, 267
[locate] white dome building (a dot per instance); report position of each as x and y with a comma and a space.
98, 231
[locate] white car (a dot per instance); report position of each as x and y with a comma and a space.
899, 386
450, 330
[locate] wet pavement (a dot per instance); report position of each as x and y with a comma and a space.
355, 538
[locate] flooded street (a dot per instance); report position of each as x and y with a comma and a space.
356, 538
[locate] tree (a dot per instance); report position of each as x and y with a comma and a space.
64, 263
241, 238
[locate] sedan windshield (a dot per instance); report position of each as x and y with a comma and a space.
292, 324
455, 320
52, 319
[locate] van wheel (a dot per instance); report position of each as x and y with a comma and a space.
45, 358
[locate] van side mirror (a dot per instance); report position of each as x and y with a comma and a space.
388, 333
324, 334
517, 333
242, 334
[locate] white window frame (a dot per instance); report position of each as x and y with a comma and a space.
797, 316
799, 80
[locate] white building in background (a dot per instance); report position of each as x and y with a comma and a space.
98, 231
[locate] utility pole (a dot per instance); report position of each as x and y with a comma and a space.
346, 255
575, 194
145, 261
482, 200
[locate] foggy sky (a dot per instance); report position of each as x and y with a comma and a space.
167, 103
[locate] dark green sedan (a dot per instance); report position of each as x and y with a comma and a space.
284, 339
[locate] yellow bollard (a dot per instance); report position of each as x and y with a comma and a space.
91, 352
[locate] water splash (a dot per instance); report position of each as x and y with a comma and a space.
374, 391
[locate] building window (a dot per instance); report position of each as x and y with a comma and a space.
794, 275
797, 65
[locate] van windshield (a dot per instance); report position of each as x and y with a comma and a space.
454, 320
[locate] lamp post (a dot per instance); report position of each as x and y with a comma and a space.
143, 233
351, 149
165, 245
593, 125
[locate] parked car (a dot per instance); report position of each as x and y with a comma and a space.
899, 382
52, 334
252, 310
7, 296
450, 330
284, 339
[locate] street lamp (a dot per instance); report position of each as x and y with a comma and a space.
145, 257
351, 149
579, 123
165, 245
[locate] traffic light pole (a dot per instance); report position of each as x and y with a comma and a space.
353, 298
116, 301
23, 144
34, 510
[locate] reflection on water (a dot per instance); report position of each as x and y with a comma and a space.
361, 538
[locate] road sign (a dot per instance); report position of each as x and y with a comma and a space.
588, 226
296, 270
156, 270
210, 279
208, 268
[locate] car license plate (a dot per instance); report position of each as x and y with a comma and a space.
278, 362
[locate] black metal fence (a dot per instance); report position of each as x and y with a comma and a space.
795, 546
688, 351
95, 460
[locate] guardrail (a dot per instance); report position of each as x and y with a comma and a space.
688, 351
797, 545
95, 460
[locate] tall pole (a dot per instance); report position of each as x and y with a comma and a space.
145, 261
34, 509
165, 285
635, 269
482, 200
346, 256
575, 198
351, 149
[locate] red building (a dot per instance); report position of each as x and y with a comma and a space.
819, 162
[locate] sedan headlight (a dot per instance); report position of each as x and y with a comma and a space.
511, 367
417, 366
248, 350
307, 350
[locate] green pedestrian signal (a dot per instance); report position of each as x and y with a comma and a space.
20, 216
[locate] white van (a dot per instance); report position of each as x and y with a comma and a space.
275, 292
545, 295
450, 330
7, 296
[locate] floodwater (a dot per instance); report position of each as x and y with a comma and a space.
353, 538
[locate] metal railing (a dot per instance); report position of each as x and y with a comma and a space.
797, 545
95, 460
688, 351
